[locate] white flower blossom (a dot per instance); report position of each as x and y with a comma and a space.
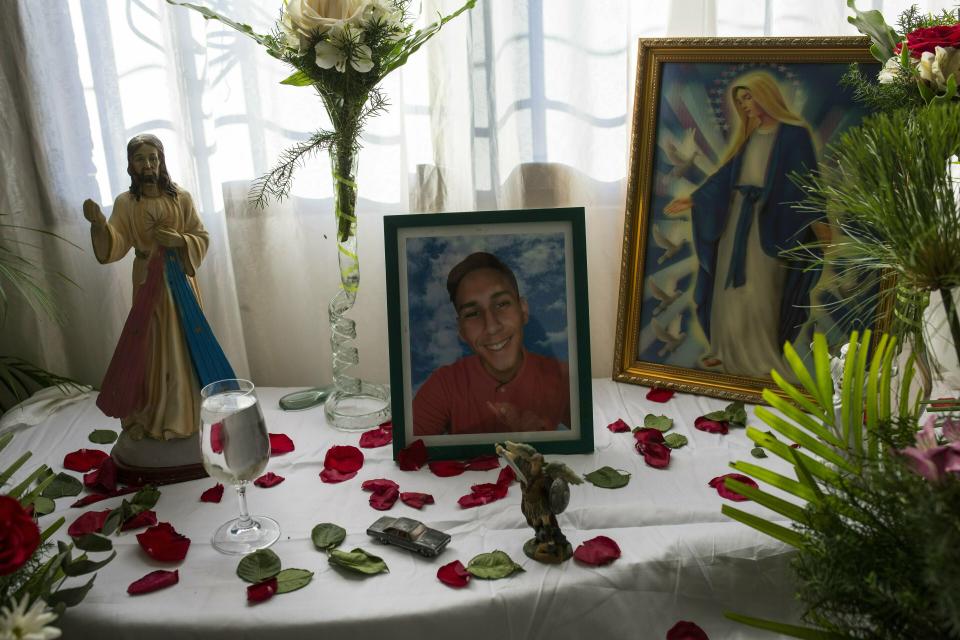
936, 68
891, 71
344, 45
382, 12
21, 623
318, 16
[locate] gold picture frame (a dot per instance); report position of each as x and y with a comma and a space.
680, 312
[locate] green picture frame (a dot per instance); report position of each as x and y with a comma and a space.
545, 249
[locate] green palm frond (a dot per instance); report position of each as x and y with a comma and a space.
19, 379
837, 442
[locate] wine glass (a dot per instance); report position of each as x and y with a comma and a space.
235, 447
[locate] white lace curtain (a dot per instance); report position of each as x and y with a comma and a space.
516, 104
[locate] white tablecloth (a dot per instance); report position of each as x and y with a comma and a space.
682, 559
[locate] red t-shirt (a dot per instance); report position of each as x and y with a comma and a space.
463, 398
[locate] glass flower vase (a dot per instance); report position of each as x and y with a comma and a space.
353, 404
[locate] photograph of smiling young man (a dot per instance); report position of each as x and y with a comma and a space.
502, 386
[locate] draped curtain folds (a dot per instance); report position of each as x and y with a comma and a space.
514, 105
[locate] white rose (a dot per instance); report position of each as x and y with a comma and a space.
936, 68
891, 71
312, 16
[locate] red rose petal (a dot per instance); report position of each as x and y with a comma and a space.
447, 468
384, 500
483, 463
332, 476
721, 487
412, 457
269, 479
686, 630
711, 426
488, 492
97, 497
154, 581
506, 477
658, 394
379, 485
146, 518
89, 522
103, 478
376, 438
216, 437
656, 455
597, 551
454, 575
213, 494
619, 426
646, 435
84, 460
162, 542
280, 443
344, 459
262, 590
416, 500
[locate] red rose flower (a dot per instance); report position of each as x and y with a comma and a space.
19, 535
929, 38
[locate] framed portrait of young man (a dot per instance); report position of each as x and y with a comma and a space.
720, 265
488, 331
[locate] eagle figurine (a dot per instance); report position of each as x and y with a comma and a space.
546, 494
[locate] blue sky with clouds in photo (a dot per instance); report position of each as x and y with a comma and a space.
537, 260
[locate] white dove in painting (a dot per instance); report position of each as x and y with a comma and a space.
671, 337
682, 155
670, 247
666, 295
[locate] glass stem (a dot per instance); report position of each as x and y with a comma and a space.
244, 521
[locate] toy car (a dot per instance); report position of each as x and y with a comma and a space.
410, 534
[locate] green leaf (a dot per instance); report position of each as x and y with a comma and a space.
70, 597
718, 416
93, 542
660, 423
675, 440
298, 79
781, 533
608, 478
115, 518
802, 400
63, 485
209, 14
82, 565
52, 529
292, 579
102, 436
781, 450
805, 633
758, 452
803, 375
18, 490
803, 438
801, 418
357, 560
737, 414
145, 499
42, 506
492, 566
856, 417
871, 23
821, 368
327, 536
259, 566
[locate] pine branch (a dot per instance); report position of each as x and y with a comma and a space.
278, 182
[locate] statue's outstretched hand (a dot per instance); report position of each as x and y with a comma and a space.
678, 205
92, 212
168, 237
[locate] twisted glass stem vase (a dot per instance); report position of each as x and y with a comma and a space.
354, 404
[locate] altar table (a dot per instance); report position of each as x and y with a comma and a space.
682, 559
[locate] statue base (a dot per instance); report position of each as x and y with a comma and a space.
548, 553
149, 461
